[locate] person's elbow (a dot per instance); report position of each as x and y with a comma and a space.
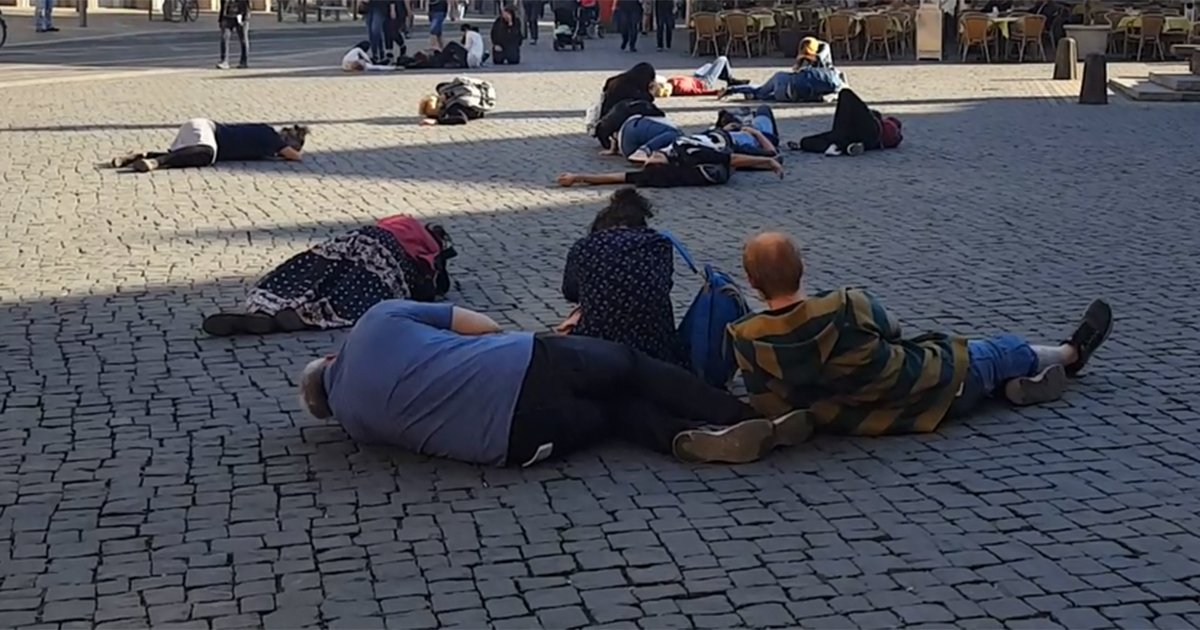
468, 322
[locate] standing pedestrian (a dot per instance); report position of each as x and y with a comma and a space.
664, 22
234, 18
376, 22
437, 19
628, 16
42, 21
531, 13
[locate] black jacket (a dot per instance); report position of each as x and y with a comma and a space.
231, 9
506, 35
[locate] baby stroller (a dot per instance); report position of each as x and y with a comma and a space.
567, 23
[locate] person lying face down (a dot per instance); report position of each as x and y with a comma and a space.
705, 81
444, 381
703, 159
635, 84
202, 142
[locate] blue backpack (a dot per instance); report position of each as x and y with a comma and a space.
702, 331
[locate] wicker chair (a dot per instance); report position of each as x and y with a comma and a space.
1150, 32
1028, 31
739, 28
708, 31
878, 31
839, 28
975, 32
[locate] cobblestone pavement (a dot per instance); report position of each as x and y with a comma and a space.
152, 476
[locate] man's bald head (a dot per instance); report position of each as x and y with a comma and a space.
772, 262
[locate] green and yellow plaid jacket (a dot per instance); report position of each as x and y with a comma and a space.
839, 354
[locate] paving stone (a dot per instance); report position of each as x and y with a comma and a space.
156, 476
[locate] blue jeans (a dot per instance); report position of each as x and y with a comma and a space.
376, 20
42, 11
715, 70
772, 88
436, 20
990, 364
644, 133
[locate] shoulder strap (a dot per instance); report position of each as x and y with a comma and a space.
683, 252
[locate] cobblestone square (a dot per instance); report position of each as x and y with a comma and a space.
152, 476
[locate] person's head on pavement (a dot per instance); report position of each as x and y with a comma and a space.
428, 106
626, 208
775, 267
294, 136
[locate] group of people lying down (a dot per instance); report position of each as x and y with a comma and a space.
444, 381
632, 126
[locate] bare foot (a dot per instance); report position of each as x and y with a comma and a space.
428, 122
566, 180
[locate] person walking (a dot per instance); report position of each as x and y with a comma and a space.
376, 22
628, 17
531, 13
664, 22
234, 18
41, 18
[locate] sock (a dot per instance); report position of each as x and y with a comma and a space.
1051, 355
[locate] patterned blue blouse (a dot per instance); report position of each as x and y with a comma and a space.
621, 279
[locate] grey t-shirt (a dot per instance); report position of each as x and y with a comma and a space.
403, 378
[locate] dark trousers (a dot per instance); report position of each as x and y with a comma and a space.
580, 391
532, 13
629, 22
186, 157
853, 122
393, 33
453, 55
241, 30
510, 55
664, 20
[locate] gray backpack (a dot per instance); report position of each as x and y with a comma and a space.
473, 94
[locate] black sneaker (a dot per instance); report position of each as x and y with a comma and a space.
52, 29
1045, 386
243, 65
144, 165
733, 82
744, 442
1091, 333
855, 149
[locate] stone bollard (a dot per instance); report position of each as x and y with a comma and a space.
1094, 88
1064, 60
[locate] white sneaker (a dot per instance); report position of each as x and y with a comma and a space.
833, 151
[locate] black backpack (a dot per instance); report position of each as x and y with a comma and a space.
433, 284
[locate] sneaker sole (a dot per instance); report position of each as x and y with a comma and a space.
792, 428
1047, 385
742, 443
855, 149
1079, 365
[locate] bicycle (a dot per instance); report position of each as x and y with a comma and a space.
189, 10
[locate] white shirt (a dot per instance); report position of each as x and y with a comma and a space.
473, 42
355, 56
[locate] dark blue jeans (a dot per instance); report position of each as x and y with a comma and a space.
991, 363
649, 134
769, 90
629, 22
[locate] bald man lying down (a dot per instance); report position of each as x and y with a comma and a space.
841, 355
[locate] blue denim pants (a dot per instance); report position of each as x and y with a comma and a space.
648, 134
991, 363
765, 91
711, 72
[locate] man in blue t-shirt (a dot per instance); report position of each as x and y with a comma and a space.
447, 382
203, 142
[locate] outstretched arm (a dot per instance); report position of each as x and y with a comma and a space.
762, 139
290, 154
595, 179
756, 162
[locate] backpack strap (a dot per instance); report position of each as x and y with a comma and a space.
683, 251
